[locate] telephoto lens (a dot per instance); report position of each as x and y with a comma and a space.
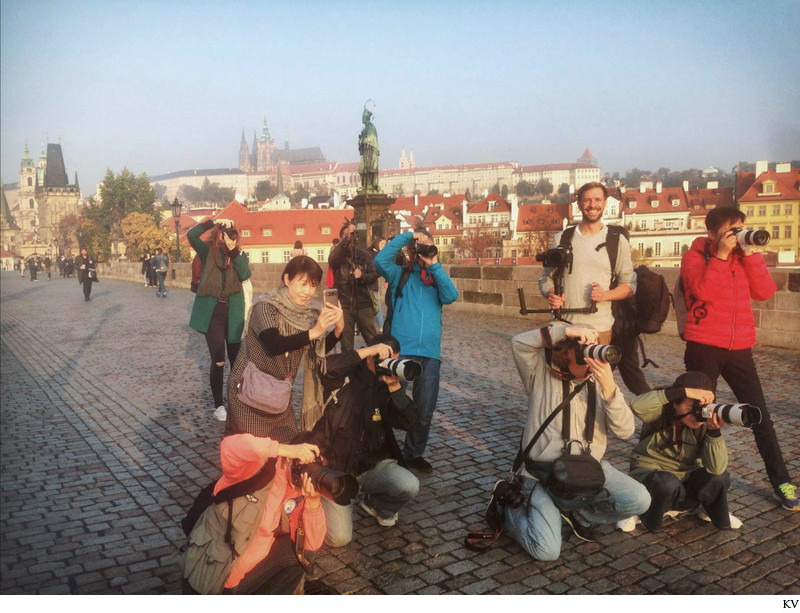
407, 370
604, 353
759, 238
743, 415
426, 251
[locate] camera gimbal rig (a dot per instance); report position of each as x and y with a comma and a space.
559, 259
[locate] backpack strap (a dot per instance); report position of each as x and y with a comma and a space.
612, 247
588, 432
566, 236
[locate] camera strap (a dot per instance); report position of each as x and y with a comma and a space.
521, 455
588, 432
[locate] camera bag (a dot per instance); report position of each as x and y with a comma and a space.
575, 479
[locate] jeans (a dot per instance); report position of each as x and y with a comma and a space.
379, 315
536, 524
739, 371
366, 326
425, 394
386, 488
161, 289
668, 492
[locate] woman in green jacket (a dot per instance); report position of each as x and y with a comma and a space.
679, 459
218, 310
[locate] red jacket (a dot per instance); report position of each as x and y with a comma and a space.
718, 294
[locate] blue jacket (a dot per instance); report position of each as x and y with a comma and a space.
417, 319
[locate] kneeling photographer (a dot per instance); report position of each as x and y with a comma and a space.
573, 402
254, 535
358, 421
681, 458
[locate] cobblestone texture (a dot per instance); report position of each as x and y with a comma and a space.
107, 436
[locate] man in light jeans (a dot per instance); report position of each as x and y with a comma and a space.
359, 422
547, 363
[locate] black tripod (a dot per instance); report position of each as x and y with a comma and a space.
558, 289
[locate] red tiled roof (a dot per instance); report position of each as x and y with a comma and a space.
482, 206
284, 223
587, 153
536, 217
644, 201
314, 168
347, 167
8, 254
702, 200
788, 186
744, 180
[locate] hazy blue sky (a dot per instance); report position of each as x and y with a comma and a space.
165, 85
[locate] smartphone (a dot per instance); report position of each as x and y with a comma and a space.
330, 297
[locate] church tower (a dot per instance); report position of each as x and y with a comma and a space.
28, 207
403, 163
411, 162
244, 155
266, 147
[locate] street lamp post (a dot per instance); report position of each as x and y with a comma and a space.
176, 215
79, 234
58, 253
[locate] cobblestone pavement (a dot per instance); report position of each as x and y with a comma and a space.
107, 435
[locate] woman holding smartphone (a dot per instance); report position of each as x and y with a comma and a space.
285, 326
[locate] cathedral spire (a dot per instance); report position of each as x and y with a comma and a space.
76, 180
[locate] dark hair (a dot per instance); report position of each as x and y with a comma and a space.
159, 250
587, 186
376, 242
303, 265
213, 236
336, 241
718, 216
386, 339
298, 244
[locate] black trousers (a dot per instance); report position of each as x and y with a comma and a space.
667, 492
278, 573
87, 289
216, 339
739, 372
629, 369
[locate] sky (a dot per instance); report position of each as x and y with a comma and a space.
165, 85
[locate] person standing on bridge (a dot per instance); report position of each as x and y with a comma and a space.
218, 310
87, 272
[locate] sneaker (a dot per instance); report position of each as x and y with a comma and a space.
629, 524
420, 464
383, 521
787, 496
585, 533
736, 523
220, 414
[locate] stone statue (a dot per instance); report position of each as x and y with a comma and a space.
368, 148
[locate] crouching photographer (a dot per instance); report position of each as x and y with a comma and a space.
257, 526
358, 421
573, 404
681, 458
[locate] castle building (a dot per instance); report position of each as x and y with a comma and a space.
263, 156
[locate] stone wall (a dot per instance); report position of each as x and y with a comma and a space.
492, 290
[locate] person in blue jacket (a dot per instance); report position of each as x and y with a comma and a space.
424, 287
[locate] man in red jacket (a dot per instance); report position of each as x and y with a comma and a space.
720, 277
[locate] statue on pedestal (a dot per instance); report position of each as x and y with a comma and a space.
368, 148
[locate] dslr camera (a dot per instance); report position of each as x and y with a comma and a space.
759, 238
603, 353
408, 370
743, 415
426, 251
336, 486
558, 257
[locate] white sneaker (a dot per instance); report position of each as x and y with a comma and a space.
736, 523
220, 414
383, 521
629, 524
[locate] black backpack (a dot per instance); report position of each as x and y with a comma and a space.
389, 300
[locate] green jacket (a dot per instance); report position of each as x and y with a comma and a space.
203, 306
700, 448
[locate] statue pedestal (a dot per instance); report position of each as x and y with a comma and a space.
373, 218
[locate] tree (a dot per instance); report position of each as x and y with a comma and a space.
525, 188
544, 187
140, 234
298, 194
531, 243
123, 194
477, 240
467, 195
504, 191
563, 188
398, 191
160, 191
264, 191
65, 231
433, 192
495, 188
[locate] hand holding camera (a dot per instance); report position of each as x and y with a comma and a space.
603, 375
310, 492
585, 335
224, 223
304, 452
